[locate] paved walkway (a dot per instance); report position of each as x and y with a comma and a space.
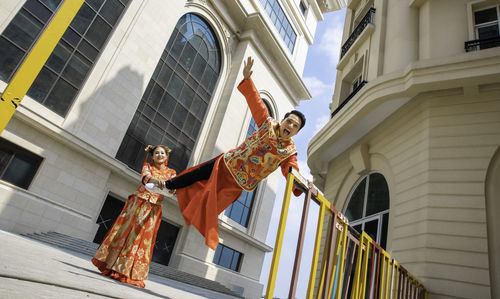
31, 269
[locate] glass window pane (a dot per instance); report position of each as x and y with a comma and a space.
167, 105
161, 121
378, 195
6, 155
218, 251
142, 127
198, 67
189, 125
207, 76
164, 75
235, 262
354, 210
10, 56
175, 85
98, 32
71, 37
154, 135
486, 15
199, 107
385, 225
237, 211
173, 131
226, 257
59, 56
488, 32
82, 19
371, 228
61, 97
111, 11
187, 57
51, 4
196, 41
42, 84
23, 30
179, 116
38, 10
96, 4
88, 50
178, 45
244, 217
21, 171
77, 69
156, 95
187, 96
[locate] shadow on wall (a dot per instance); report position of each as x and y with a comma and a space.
102, 118
67, 189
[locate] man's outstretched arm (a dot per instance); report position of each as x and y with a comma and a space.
254, 101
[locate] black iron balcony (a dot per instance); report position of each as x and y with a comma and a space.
481, 44
367, 19
349, 97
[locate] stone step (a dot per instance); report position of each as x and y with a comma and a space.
89, 248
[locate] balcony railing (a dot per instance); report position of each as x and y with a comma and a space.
481, 44
367, 19
349, 97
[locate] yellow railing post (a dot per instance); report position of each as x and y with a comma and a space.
31, 66
317, 243
279, 237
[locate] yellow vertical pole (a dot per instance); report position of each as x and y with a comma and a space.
317, 243
29, 69
364, 271
279, 237
396, 279
341, 249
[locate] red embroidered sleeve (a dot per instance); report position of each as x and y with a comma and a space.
285, 166
254, 101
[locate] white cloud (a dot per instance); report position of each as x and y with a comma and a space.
320, 123
330, 43
316, 86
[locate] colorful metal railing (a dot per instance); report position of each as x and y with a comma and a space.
353, 265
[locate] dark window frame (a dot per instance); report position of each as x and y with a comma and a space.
381, 217
12, 154
234, 265
175, 103
281, 22
61, 79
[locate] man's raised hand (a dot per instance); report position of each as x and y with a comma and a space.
247, 69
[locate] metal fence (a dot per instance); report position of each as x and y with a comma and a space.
352, 265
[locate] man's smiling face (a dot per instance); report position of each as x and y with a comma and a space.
289, 127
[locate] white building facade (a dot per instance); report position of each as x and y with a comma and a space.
411, 152
128, 73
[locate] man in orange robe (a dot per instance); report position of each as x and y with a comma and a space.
205, 190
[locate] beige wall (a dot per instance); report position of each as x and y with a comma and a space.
434, 153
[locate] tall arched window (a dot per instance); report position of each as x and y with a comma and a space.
240, 210
368, 207
174, 104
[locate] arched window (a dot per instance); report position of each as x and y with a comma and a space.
368, 207
174, 104
240, 210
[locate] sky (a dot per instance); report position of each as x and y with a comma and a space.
319, 77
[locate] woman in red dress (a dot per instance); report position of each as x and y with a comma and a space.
127, 248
